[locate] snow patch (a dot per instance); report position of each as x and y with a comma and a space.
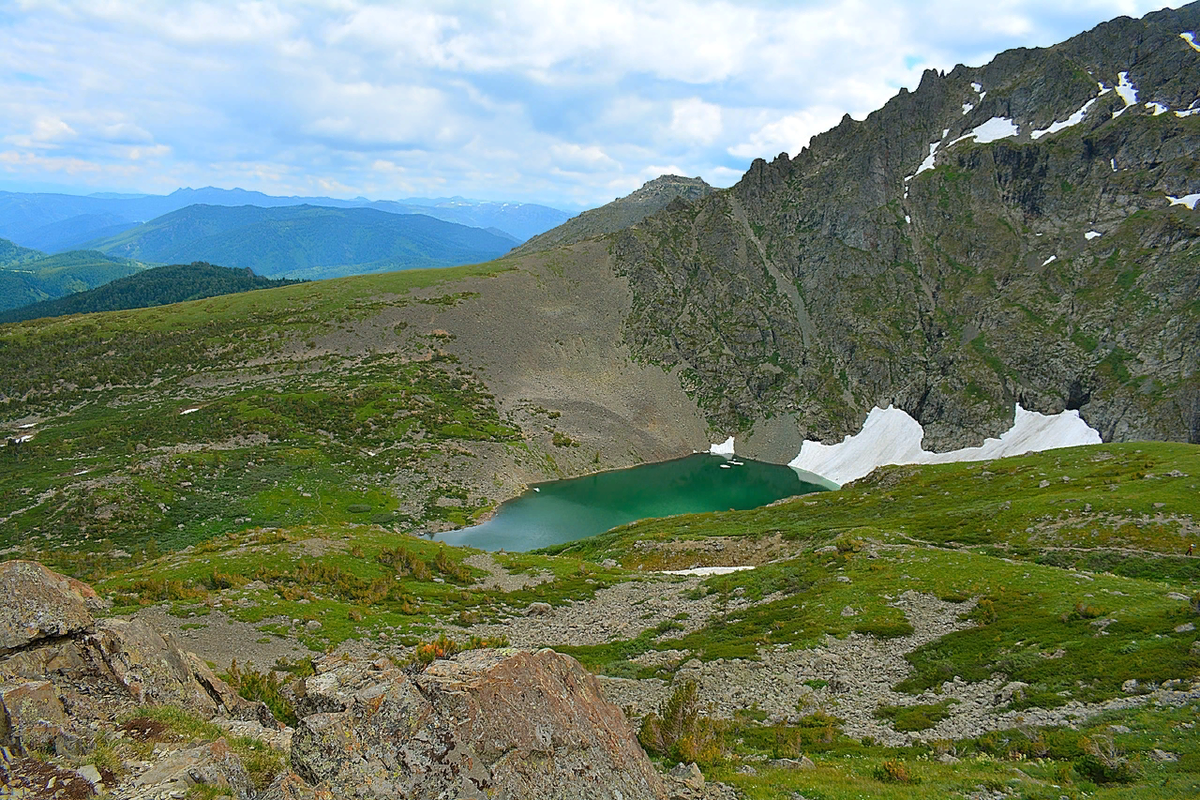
26, 426
189, 411
891, 436
1104, 89
928, 162
1188, 112
1112, 162
1092, 235
1159, 108
1048, 260
995, 128
968, 108
723, 449
907, 219
1188, 200
1074, 119
1190, 38
1127, 91
704, 570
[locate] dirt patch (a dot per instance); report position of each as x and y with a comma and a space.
218, 639
500, 578
146, 730
37, 780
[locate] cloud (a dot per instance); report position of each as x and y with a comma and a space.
535, 100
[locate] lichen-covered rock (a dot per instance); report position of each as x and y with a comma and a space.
212, 766
154, 670
488, 723
39, 603
31, 714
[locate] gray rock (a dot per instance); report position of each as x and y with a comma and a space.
41, 603
502, 722
689, 774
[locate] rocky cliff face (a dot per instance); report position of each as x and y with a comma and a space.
621, 213
1003, 234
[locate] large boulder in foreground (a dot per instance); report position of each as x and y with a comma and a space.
486, 724
41, 604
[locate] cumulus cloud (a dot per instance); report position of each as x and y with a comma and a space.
536, 100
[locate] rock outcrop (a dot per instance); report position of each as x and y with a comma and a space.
486, 724
621, 213
501, 723
61, 669
40, 604
1020, 232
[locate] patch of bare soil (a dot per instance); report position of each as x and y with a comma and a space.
218, 639
500, 578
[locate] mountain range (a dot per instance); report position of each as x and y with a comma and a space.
57, 222
305, 241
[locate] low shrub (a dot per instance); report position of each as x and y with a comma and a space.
680, 732
893, 770
254, 685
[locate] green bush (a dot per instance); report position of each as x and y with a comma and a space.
254, 685
893, 770
679, 731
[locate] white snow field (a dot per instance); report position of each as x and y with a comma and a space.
1074, 119
723, 449
1127, 91
891, 436
1188, 200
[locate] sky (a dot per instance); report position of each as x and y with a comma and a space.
565, 103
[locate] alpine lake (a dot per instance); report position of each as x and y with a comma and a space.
562, 511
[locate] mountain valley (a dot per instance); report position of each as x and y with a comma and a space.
261, 476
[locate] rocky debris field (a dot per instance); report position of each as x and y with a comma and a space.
122, 711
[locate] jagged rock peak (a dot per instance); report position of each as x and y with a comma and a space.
1020, 232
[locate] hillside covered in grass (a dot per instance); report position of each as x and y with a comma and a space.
1019, 624
157, 286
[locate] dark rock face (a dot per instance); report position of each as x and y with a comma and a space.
489, 723
662, 192
859, 274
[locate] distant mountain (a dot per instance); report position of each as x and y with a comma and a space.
305, 241
153, 287
57, 222
621, 213
44, 277
15, 254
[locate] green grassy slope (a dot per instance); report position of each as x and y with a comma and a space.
153, 287
114, 463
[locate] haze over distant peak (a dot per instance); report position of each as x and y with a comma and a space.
54, 222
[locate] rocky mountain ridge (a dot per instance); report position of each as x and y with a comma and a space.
1018, 232
621, 213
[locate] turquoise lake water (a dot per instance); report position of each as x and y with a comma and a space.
561, 511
